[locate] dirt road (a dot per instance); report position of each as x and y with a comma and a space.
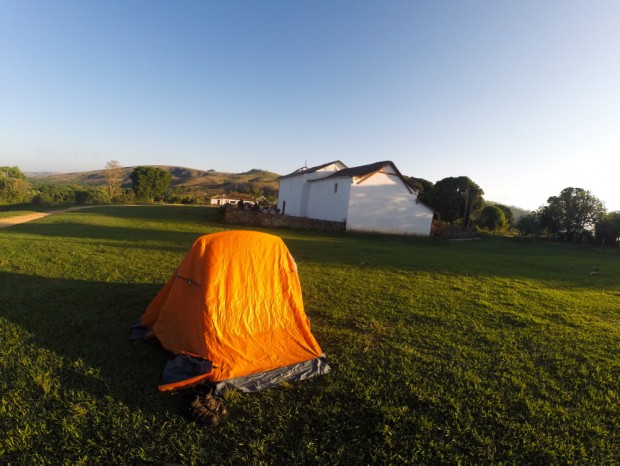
10, 221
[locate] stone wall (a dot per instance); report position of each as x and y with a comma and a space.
234, 216
447, 231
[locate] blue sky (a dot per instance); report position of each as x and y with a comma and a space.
521, 96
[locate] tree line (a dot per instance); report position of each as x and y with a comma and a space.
575, 215
149, 184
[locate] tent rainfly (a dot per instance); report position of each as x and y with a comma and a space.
233, 315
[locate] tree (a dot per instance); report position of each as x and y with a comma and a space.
14, 186
507, 213
529, 224
150, 183
59, 194
456, 199
421, 185
114, 177
549, 219
574, 211
608, 229
492, 218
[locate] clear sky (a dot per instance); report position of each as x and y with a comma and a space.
521, 96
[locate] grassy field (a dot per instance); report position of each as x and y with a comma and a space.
7, 211
495, 351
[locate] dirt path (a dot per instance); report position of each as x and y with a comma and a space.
10, 221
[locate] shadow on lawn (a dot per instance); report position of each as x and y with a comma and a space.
495, 258
175, 240
89, 321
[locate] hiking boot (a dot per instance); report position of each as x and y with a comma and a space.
204, 408
199, 413
212, 403
215, 405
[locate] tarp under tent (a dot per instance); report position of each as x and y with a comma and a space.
233, 314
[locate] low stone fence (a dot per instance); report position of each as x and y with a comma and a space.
447, 231
234, 216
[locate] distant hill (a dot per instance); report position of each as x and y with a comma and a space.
39, 174
517, 212
190, 181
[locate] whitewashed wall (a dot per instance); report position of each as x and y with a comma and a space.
291, 192
383, 204
294, 190
328, 199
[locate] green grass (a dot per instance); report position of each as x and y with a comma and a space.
7, 211
496, 351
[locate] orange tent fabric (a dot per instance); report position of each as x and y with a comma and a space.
235, 300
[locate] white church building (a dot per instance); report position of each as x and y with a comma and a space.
371, 198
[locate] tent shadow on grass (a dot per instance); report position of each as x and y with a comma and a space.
89, 321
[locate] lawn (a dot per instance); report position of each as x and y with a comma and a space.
7, 211
496, 351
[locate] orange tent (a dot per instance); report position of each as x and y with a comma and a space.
233, 312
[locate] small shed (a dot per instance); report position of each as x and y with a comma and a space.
233, 198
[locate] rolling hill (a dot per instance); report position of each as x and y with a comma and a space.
189, 181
